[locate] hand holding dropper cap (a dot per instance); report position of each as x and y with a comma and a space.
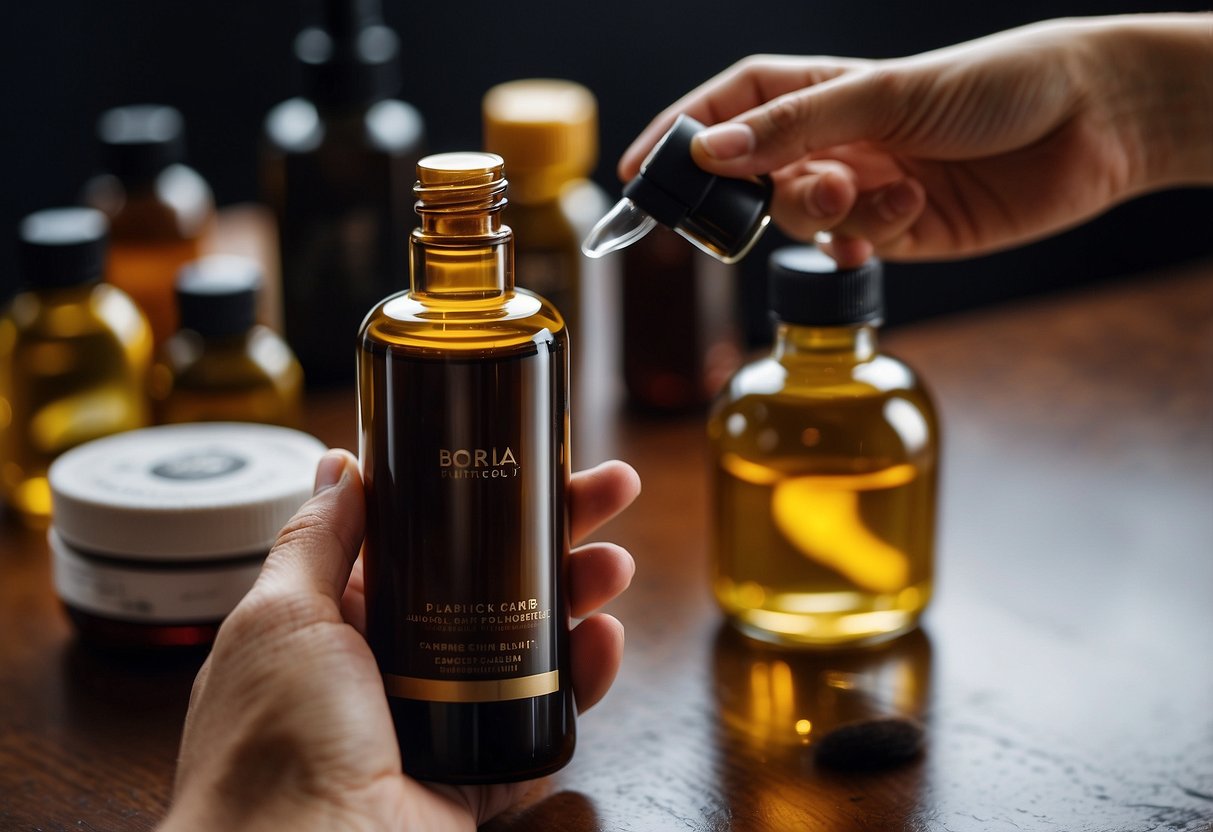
722, 216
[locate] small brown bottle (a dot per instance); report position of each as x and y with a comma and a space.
159, 209
680, 338
463, 402
73, 355
222, 366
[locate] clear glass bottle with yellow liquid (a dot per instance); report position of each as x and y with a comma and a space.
74, 354
222, 366
824, 467
160, 210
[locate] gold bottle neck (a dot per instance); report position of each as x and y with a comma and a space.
462, 251
825, 344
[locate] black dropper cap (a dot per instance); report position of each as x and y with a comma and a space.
62, 247
350, 58
671, 188
141, 140
217, 295
807, 288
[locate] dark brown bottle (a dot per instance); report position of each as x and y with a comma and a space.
337, 166
680, 337
463, 405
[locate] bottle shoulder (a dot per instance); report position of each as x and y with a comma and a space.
876, 408
178, 205
823, 381
390, 126
90, 319
256, 357
519, 321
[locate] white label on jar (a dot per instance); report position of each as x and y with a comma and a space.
153, 594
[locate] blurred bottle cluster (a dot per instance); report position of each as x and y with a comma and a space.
144, 304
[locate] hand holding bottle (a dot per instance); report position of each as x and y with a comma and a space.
967, 149
288, 725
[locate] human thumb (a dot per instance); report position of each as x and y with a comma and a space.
318, 546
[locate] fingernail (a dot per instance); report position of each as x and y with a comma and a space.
329, 471
727, 141
896, 201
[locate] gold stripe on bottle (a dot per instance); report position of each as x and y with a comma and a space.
491, 690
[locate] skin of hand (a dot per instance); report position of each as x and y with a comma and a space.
288, 725
967, 149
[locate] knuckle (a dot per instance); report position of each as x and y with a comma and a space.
309, 528
784, 115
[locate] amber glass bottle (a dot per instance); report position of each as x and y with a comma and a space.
464, 447
160, 210
337, 167
680, 338
222, 366
824, 469
73, 355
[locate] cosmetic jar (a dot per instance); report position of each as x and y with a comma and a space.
156, 534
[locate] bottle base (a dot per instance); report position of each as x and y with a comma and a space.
825, 620
486, 742
488, 779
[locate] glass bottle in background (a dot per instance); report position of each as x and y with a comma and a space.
825, 460
547, 132
74, 354
222, 366
337, 168
463, 385
681, 339
160, 210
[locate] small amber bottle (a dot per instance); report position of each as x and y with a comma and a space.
74, 353
160, 210
337, 166
463, 401
222, 366
825, 467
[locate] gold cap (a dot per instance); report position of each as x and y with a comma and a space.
547, 131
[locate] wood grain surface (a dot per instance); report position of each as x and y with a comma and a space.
1064, 674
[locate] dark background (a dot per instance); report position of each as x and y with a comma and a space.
224, 63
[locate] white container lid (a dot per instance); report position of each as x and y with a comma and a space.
183, 492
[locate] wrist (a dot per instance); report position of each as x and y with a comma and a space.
1153, 77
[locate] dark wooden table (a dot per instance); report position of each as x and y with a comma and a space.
1064, 673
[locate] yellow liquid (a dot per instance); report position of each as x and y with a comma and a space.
72, 368
252, 377
824, 514
146, 271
